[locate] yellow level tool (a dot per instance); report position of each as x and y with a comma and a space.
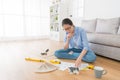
34, 59
54, 61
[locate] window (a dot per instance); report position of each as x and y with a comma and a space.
37, 17
21, 18
76, 8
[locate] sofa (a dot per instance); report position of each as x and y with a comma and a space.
104, 36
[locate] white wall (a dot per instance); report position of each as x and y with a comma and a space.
101, 8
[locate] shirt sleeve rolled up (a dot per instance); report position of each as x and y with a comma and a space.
84, 40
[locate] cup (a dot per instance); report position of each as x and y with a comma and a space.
99, 71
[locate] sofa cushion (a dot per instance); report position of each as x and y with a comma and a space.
89, 25
119, 30
109, 26
105, 39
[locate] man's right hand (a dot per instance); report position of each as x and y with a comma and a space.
69, 36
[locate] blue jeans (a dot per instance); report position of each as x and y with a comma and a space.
63, 54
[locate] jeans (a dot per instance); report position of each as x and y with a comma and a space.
63, 54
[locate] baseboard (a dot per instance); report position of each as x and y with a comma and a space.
3, 39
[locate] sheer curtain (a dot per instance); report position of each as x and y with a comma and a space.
24, 18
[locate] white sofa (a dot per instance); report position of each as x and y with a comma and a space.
104, 36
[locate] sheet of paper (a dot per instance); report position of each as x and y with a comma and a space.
64, 65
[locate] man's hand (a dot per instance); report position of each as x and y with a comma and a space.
66, 45
78, 62
79, 59
69, 36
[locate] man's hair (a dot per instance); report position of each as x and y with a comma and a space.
67, 21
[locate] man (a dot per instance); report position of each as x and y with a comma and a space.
76, 44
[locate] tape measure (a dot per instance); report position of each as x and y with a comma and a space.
91, 67
55, 61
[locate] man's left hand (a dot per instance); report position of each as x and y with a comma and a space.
77, 62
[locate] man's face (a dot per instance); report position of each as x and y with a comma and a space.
68, 28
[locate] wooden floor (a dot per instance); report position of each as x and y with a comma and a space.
14, 67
